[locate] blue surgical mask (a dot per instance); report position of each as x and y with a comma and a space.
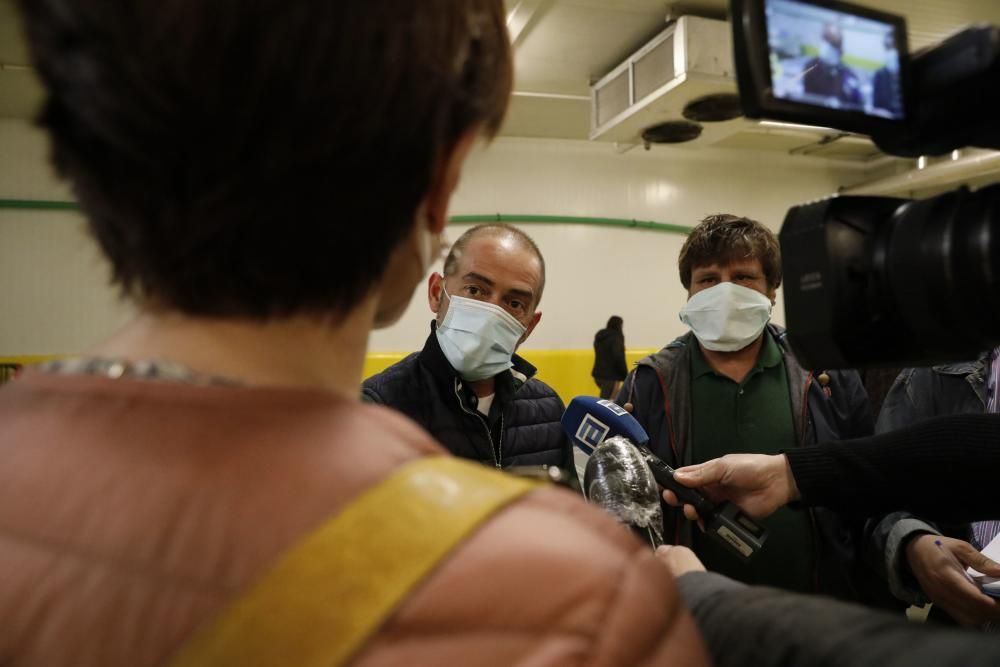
478, 338
829, 53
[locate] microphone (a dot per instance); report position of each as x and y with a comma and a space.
618, 480
590, 421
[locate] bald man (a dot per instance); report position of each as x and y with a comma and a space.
467, 387
826, 75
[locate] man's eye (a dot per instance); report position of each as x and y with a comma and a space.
472, 290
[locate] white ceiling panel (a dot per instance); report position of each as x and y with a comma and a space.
562, 46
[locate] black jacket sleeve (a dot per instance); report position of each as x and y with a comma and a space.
765, 627
942, 469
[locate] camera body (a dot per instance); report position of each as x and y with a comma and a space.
875, 281
879, 280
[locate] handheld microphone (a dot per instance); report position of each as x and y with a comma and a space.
589, 421
618, 480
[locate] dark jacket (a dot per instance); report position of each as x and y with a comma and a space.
837, 81
609, 355
659, 390
767, 627
523, 425
916, 395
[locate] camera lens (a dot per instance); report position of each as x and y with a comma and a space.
878, 281
942, 260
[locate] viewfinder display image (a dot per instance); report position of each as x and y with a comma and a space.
833, 59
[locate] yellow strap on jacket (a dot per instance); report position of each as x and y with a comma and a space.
325, 597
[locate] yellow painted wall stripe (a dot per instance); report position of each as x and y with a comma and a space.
566, 371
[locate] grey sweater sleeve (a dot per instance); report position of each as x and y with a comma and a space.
765, 627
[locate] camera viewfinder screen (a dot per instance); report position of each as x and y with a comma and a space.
829, 58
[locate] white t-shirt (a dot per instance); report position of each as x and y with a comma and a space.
483, 405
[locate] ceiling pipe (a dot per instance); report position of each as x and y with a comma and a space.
947, 172
551, 96
515, 218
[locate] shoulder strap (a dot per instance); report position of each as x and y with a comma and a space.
323, 599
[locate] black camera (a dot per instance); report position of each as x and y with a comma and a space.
875, 281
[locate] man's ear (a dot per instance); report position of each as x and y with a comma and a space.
435, 291
446, 179
535, 319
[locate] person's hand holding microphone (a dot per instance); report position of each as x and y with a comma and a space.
758, 483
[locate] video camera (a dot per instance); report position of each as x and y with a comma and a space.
869, 280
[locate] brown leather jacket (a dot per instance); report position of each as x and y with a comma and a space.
133, 511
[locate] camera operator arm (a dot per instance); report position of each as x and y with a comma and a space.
943, 469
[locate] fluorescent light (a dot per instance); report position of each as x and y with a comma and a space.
794, 126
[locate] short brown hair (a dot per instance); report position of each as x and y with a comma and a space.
723, 238
495, 229
265, 160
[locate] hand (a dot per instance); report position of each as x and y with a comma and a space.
680, 560
759, 484
941, 573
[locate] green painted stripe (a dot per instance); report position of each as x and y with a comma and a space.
570, 220
39, 205
519, 218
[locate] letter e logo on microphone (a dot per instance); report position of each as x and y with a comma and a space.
591, 433
614, 407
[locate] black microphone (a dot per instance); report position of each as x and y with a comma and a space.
618, 480
589, 421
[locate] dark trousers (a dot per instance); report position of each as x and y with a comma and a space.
606, 387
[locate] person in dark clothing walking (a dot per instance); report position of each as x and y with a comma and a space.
610, 368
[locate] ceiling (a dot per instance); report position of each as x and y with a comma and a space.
568, 44
562, 46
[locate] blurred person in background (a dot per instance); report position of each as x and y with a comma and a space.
610, 368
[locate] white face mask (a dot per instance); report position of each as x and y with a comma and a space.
478, 338
829, 54
726, 317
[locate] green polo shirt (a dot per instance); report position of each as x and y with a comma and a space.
754, 416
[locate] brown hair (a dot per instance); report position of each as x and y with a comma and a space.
259, 161
723, 238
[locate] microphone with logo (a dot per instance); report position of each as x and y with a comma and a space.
618, 480
590, 423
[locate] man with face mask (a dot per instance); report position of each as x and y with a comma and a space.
467, 387
733, 385
826, 76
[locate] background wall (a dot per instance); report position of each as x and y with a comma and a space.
55, 298
594, 272
54, 294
